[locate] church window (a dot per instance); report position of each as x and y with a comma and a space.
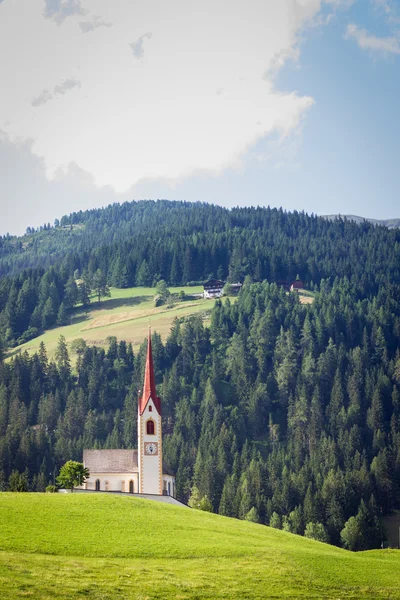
150, 408
131, 487
150, 428
97, 485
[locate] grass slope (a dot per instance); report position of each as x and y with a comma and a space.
126, 315
100, 546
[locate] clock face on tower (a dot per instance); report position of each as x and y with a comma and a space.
151, 448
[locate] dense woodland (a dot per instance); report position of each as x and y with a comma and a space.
45, 273
283, 413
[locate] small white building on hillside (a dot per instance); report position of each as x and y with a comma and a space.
213, 288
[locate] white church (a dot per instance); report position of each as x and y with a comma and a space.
138, 471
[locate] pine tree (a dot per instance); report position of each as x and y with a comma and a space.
62, 359
100, 286
62, 315
70, 293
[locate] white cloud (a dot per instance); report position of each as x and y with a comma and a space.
390, 9
157, 118
137, 47
43, 97
367, 41
95, 23
59, 90
66, 85
384, 5
59, 10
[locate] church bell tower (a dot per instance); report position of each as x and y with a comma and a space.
149, 432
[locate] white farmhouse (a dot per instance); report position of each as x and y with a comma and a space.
213, 288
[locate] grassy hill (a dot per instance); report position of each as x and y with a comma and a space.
100, 546
126, 315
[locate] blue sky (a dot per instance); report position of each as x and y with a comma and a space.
351, 138
287, 103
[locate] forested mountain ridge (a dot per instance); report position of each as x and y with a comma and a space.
45, 273
130, 223
389, 223
284, 413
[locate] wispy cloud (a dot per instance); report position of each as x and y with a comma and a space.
59, 90
95, 23
66, 85
59, 10
368, 41
44, 97
137, 47
390, 10
384, 5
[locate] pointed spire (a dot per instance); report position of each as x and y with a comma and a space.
149, 387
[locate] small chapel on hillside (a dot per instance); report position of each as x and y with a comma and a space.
138, 471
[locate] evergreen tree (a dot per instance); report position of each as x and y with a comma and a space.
99, 285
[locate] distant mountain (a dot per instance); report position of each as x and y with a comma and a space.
389, 223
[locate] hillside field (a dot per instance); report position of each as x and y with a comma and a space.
102, 547
126, 315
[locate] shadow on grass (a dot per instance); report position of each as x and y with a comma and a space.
78, 318
110, 303
11, 353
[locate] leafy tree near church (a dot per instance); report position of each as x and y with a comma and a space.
72, 474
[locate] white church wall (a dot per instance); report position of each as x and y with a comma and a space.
113, 482
168, 485
150, 466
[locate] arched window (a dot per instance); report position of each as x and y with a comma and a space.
131, 487
97, 485
150, 408
150, 428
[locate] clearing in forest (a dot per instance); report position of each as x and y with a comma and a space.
127, 315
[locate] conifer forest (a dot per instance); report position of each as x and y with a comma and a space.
284, 413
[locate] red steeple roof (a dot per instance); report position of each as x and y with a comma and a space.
149, 388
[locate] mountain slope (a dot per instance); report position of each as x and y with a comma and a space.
389, 223
99, 546
139, 243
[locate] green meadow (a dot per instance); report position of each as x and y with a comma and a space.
105, 547
126, 315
